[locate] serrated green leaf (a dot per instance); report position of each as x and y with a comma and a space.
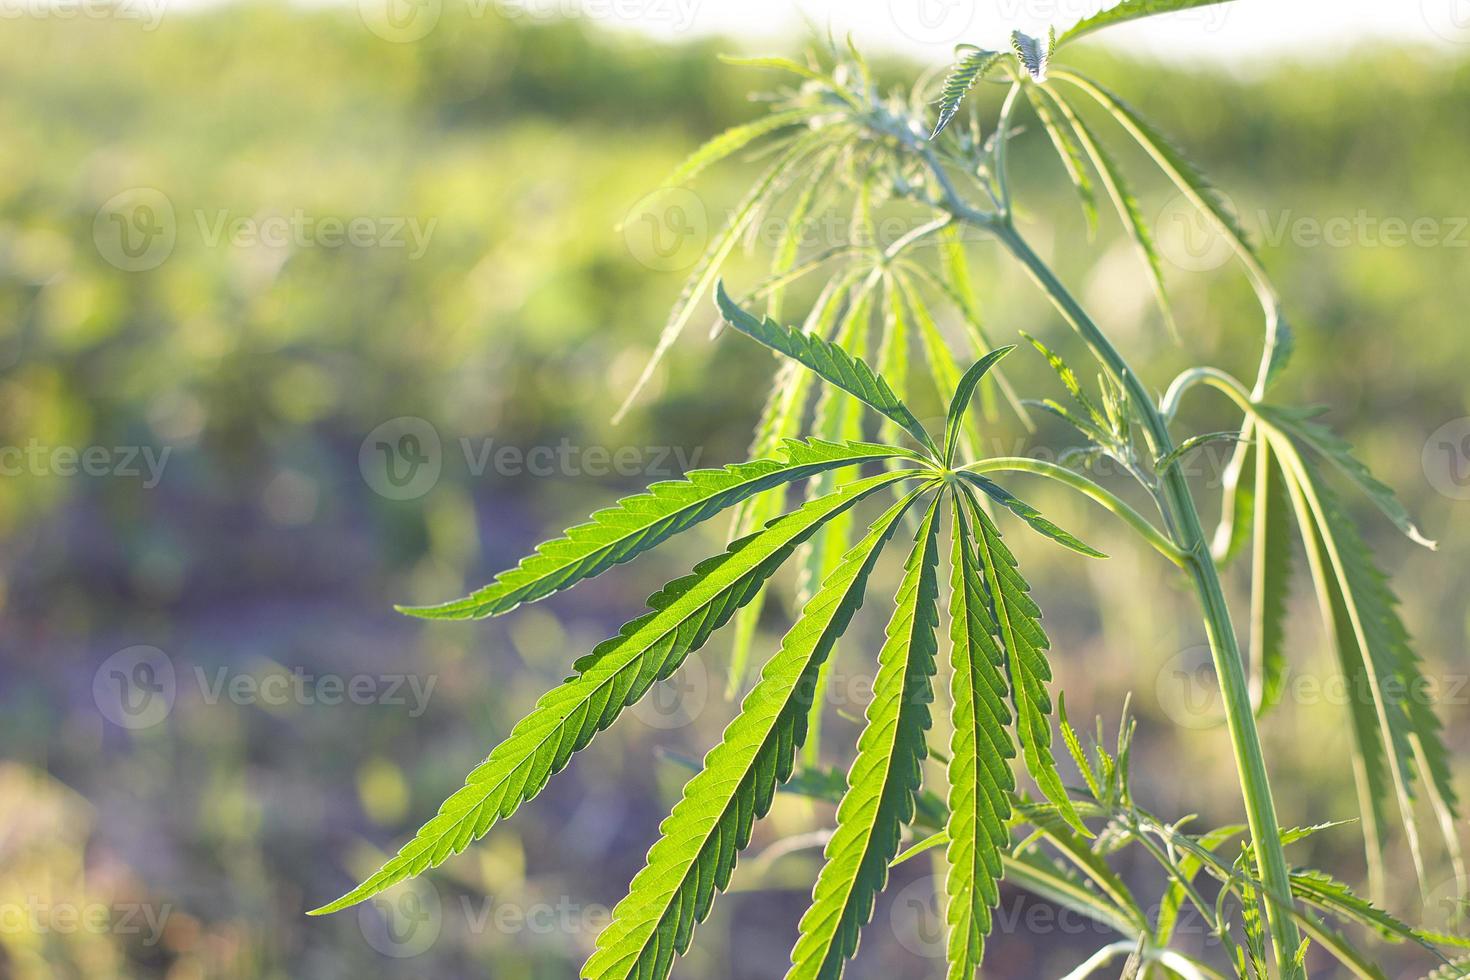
701, 837
838, 414
1270, 578
1129, 10
829, 361
1130, 214
733, 140
708, 267
1398, 733
884, 780
1030, 515
1191, 444
1067, 151
1068, 377
1033, 53
960, 403
1074, 748
1335, 898
962, 77
781, 419
980, 778
635, 524
617, 673
1025, 643
1339, 452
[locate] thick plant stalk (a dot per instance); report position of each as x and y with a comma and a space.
1183, 517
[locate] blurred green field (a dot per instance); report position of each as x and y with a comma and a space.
341, 232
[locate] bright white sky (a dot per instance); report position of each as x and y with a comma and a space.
930, 28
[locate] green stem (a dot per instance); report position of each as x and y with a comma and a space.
1182, 516
1229, 667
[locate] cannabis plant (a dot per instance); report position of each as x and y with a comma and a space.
833, 140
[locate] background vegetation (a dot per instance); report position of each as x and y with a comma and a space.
266, 551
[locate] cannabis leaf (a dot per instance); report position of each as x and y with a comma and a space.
1018, 619
733, 140
884, 780
1130, 10
700, 839
962, 77
1395, 729
719, 249
963, 392
1270, 577
635, 524
1125, 204
1337, 450
980, 780
1034, 56
1060, 133
617, 673
830, 362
